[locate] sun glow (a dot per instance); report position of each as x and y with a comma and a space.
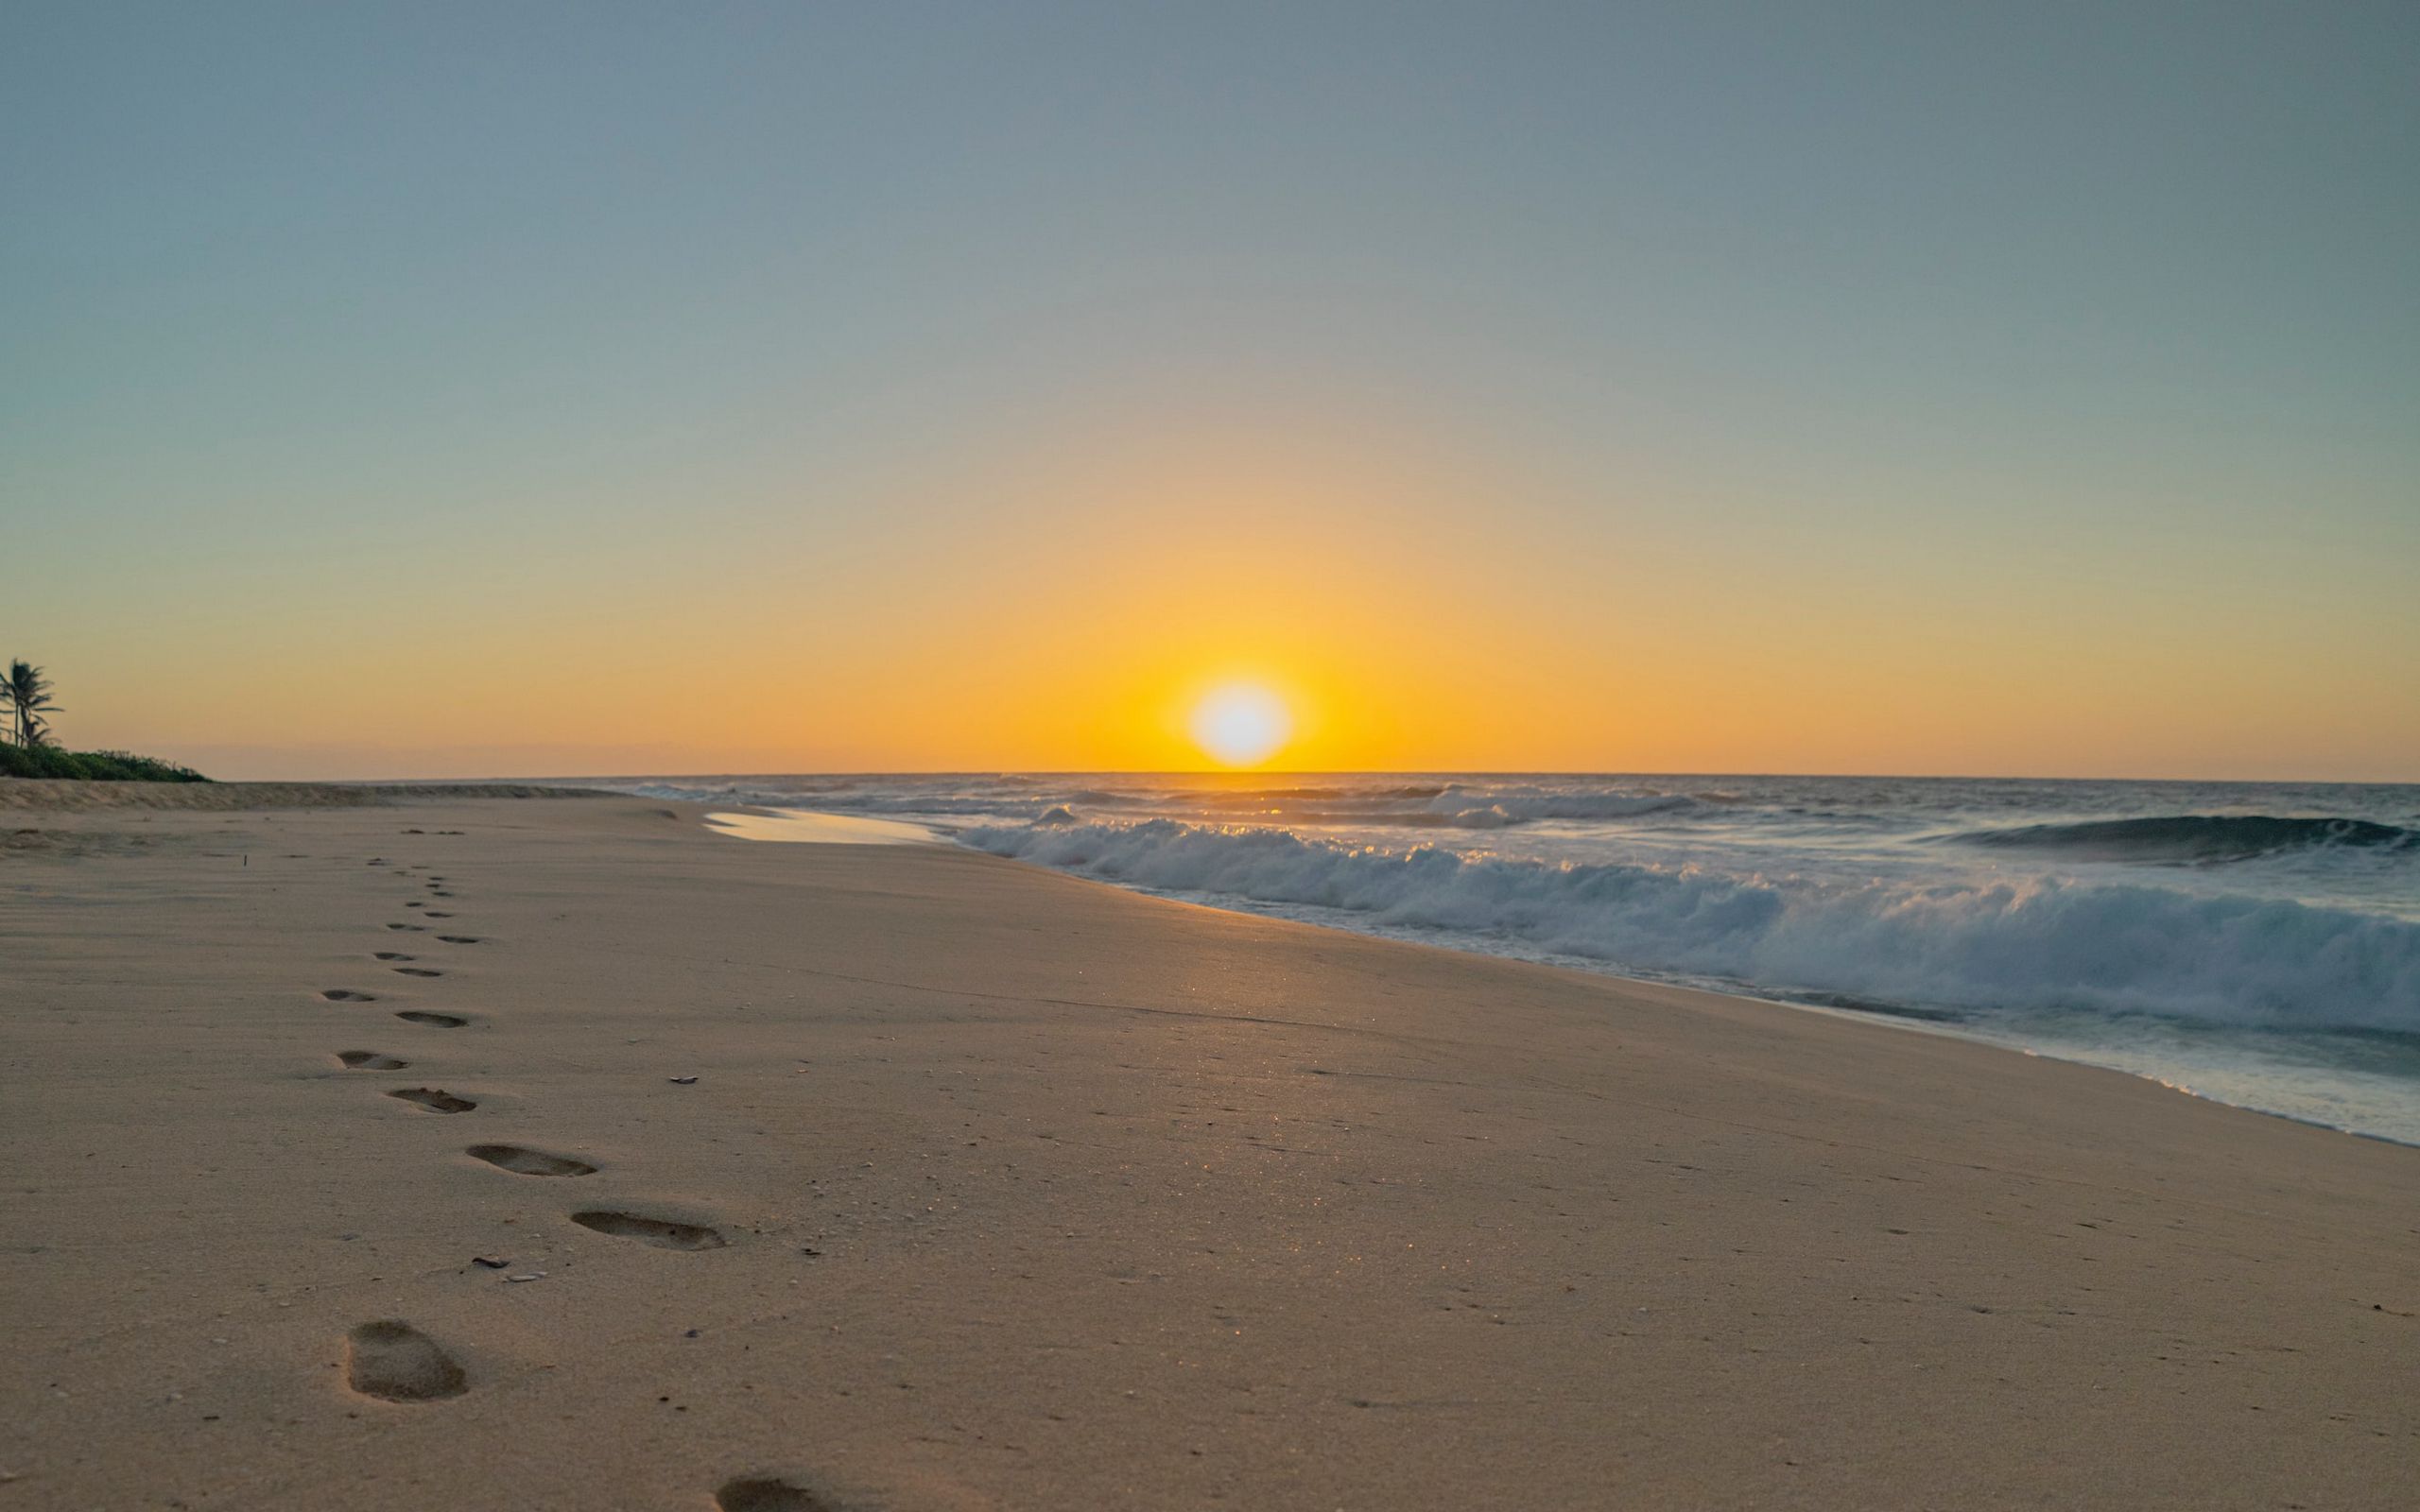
1241, 724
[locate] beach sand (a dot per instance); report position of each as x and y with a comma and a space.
995, 1188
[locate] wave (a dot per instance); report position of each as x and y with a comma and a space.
1524, 808
2197, 837
2044, 944
1326, 793
1451, 807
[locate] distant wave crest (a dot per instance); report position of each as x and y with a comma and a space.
1386, 805
1451, 807
2038, 944
2196, 836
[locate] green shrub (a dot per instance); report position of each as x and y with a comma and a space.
133, 768
97, 766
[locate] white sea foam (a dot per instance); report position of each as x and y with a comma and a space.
2036, 943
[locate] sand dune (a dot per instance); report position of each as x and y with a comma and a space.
78, 798
692, 1171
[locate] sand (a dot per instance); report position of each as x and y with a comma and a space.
488, 1153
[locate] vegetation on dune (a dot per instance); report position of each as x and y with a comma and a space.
26, 748
92, 766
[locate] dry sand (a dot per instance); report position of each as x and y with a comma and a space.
999, 1189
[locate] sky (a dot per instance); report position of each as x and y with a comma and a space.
550, 389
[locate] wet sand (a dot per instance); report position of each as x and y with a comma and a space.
889, 1176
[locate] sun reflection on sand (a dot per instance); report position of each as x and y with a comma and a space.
821, 829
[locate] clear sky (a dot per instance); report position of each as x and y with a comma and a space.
495, 389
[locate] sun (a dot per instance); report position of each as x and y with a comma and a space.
1241, 724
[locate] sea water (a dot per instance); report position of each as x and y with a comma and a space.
2255, 943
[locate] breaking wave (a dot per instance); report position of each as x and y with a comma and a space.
2041, 943
2196, 838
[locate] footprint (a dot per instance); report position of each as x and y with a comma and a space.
416, 970
439, 892
656, 1231
434, 913
436, 1099
369, 1061
434, 1020
412, 928
757, 1493
395, 1361
415, 903
393, 956
521, 1162
462, 940
346, 994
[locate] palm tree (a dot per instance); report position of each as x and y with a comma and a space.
27, 693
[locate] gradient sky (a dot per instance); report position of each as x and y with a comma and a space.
526, 388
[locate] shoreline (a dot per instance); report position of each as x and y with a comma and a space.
1903, 1021
816, 826
1000, 1188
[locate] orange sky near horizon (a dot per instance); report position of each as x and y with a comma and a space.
1065, 608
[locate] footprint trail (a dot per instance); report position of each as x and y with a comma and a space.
395, 1361
663, 1233
436, 1099
521, 1160
759, 1494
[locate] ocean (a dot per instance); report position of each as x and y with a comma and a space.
2255, 943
